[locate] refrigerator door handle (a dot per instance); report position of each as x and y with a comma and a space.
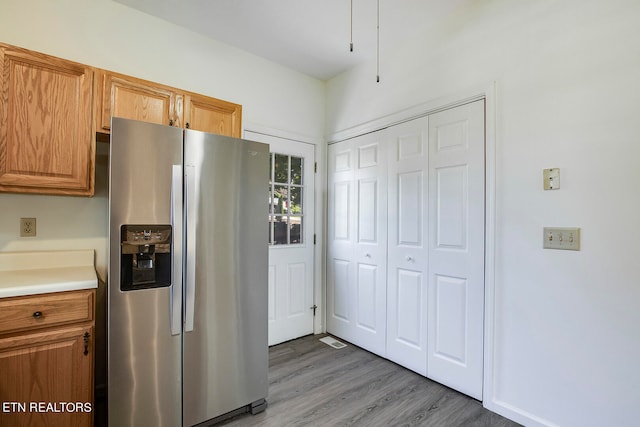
190, 288
175, 303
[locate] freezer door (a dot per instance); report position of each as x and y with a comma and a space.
144, 362
225, 340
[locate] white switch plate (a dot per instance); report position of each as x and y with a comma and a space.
551, 178
561, 238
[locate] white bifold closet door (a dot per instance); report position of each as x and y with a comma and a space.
357, 242
408, 244
405, 251
456, 255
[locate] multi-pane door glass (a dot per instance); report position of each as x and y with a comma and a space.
286, 210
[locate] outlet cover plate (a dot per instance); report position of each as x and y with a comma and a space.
27, 227
567, 238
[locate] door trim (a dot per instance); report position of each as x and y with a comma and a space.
488, 93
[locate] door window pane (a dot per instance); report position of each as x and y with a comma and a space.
295, 229
295, 200
280, 199
280, 229
270, 199
296, 170
286, 192
281, 169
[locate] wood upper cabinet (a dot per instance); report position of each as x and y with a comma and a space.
212, 115
132, 98
46, 140
47, 359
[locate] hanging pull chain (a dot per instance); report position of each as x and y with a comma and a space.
378, 46
351, 28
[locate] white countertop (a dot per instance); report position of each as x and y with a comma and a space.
30, 273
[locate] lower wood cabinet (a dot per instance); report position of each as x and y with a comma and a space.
47, 359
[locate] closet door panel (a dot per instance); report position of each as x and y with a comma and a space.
456, 257
409, 330
370, 248
340, 279
407, 244
340, 245
367, 283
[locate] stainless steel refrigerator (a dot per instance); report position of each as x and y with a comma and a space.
187, 297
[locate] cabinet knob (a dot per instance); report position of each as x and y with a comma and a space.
170, 122
409, 258
187, 125
37, 314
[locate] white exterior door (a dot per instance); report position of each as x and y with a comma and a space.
357, 206
456, 256
408, 246
291, 245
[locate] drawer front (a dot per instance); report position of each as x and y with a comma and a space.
41, 311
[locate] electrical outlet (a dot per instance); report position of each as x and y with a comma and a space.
27, 227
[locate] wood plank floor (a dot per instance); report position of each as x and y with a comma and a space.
313, 384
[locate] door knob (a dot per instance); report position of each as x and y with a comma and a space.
409, 258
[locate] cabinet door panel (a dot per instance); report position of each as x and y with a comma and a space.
212, 115
135, 99
46, 142
48, 367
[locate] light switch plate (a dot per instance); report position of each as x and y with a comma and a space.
551, 178
561, 238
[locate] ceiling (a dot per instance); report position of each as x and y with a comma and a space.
310, 36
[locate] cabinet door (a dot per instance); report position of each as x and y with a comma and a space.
135, 99
48, 377
46, 140
212, 115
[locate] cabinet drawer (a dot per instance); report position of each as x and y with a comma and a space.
41, 311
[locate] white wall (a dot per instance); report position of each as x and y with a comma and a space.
567, 73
